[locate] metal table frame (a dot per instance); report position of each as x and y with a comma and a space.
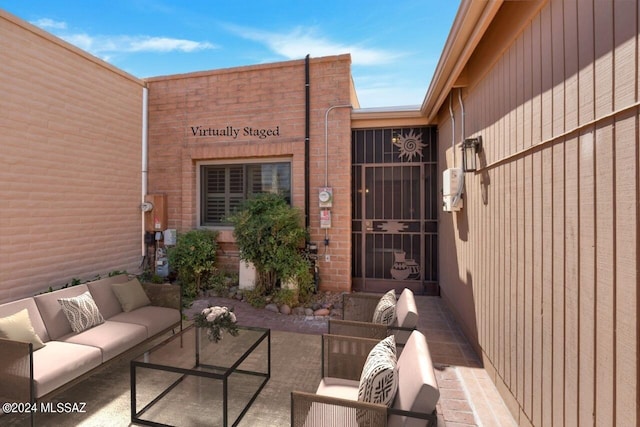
197, 371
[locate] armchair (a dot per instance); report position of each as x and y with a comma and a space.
336, 399
358, 312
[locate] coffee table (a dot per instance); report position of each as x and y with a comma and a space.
189, 380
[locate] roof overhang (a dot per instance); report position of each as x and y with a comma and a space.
471, 22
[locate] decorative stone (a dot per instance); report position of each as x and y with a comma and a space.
308, 312
321, 312
285, 309
272, 307
299, 311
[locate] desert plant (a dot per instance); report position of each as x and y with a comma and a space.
269, 234
193, 258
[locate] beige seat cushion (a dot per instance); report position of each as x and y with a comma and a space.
112, 338
338, 387
58, 363
155, 319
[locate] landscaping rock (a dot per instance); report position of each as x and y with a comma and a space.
308, 312
321, 312
272, 307
285, 309
299, 311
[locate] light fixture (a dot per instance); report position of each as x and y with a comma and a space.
470, 149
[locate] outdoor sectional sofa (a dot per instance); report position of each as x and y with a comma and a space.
132, 315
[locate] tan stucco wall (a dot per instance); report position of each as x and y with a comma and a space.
70, 185
260, 96
543, 265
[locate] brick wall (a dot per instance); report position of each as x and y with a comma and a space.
69, 163
261, 96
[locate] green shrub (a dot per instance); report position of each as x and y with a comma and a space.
269, 234
193, 258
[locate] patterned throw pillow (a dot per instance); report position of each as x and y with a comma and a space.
81, 311
385, 312
379, 378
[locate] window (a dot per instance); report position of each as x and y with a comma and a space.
224, 187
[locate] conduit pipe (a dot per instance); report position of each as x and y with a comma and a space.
458, 195
453, 129
326, 156
145, 159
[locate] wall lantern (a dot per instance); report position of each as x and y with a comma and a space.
470, 149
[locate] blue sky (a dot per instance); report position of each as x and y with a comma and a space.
395, 45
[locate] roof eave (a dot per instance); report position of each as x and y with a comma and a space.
471, 22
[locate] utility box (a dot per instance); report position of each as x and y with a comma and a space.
157, 218
452, 185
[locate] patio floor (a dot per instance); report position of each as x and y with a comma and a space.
468, 397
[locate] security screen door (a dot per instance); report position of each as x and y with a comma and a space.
394, 210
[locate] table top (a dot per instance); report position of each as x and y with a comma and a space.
190, 350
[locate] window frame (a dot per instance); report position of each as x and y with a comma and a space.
231, 162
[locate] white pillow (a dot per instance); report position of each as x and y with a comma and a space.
81, 311
18, 327
379, 378
385, 311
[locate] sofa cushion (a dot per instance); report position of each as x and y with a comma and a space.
13, 307
81, 311
130, 295
406, 315
112, 338
339, 387
53, 318
418, 389
385, 311
104, 297
18, 327
379, 380
58, 363
155, 319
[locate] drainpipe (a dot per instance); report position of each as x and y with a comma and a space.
145, 159
307, 130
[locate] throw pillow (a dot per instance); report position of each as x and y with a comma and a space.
130, 294
81, 311
385, 312
379, 378
18, 327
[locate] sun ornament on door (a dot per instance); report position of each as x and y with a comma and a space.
409, 144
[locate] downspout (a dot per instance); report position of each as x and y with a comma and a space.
307, 130
145, 160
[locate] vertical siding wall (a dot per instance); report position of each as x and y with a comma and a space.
69, 163
551, 256
260, 96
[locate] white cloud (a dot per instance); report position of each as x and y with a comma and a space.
103, 45
302, 41
50, 24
